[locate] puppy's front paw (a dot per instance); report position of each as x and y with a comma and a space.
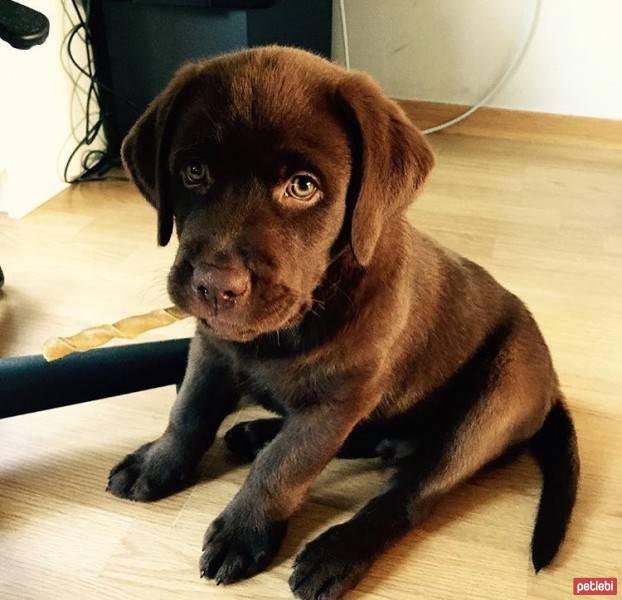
237, 546
329, 566
151, 472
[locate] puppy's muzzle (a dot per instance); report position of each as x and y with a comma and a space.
221, 287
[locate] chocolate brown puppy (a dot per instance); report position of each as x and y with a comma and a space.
286, 178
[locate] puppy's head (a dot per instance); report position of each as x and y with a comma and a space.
270, 162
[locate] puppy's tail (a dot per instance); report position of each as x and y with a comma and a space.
554, 447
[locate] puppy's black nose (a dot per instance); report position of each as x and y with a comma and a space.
223, 285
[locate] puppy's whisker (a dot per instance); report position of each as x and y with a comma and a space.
347, 296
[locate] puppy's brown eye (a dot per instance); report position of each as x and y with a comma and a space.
301, 187
194, 174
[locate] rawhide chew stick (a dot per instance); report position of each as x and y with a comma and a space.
127, 328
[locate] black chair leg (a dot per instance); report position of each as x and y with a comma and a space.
29, 383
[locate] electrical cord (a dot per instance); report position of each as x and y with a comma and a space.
91, 130
94, 163
512, 66
344, 33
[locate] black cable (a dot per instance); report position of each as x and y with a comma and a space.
94, 163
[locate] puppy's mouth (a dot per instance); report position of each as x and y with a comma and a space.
226, 328
229, 331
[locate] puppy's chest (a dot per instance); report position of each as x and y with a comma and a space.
283, 384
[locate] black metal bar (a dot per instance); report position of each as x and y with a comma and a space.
29, 383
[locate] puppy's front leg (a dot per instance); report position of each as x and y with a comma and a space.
163, 466
244, 539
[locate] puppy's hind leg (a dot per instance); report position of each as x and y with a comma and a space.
336, 560
453, 451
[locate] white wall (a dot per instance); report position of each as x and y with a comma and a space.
454, 50
37, 113
441, 50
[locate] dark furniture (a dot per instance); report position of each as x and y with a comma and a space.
139, 44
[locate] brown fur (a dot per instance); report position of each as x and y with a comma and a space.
367, 336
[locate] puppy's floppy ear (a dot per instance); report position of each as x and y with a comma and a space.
145, 151
391, 160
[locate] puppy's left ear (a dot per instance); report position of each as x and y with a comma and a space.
145, 151
391, 160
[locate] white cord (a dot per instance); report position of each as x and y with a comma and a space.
513, 65
344, 33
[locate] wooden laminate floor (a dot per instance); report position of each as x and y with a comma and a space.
544, 217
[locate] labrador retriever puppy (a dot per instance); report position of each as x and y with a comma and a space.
287, 179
